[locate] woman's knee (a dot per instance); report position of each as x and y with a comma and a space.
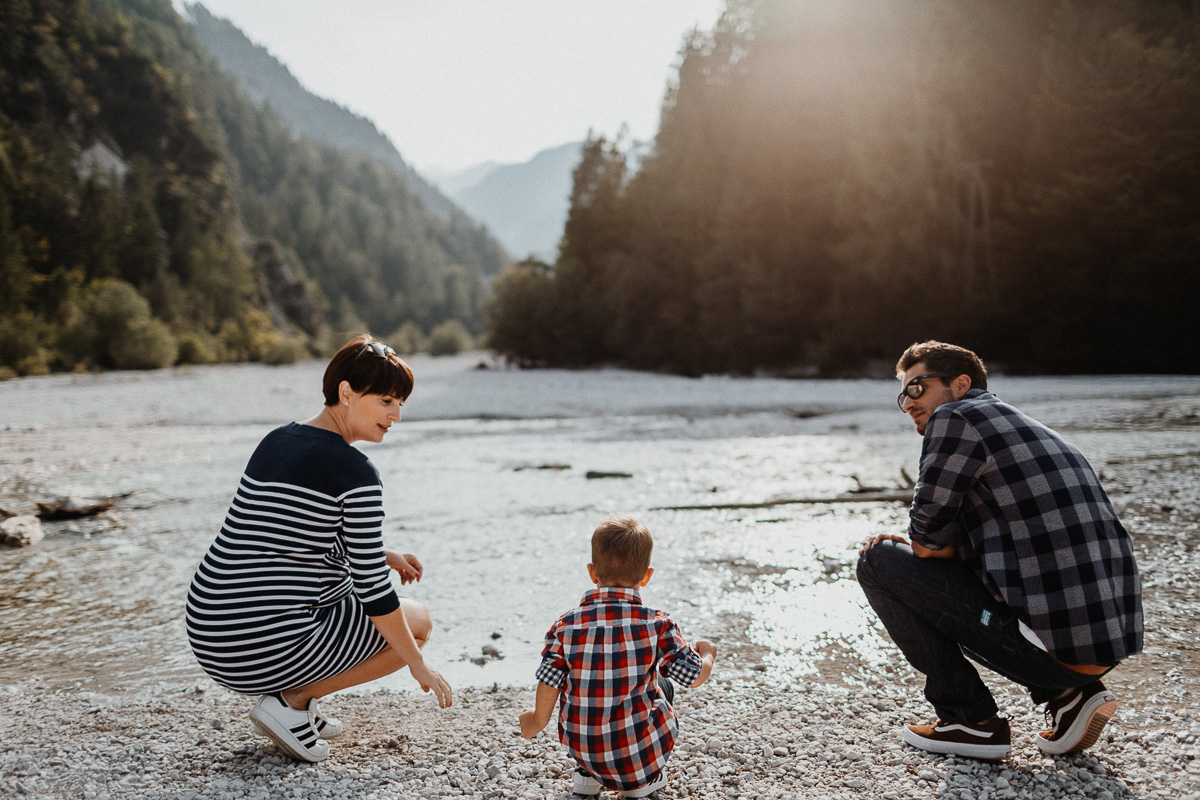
419, 620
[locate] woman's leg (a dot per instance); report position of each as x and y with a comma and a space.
385, 662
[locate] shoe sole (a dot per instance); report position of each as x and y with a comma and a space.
986, 752
645, 791
1092, 724
282, 743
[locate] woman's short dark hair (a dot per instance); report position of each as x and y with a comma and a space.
948, 358
366, 371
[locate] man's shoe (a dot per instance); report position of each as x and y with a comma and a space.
988, 740
649, 788
585, 784
327, 727
292, 730
1076, 719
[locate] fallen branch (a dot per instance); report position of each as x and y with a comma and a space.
70, 508
897, 496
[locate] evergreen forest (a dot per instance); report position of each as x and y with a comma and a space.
832, 181
151, 214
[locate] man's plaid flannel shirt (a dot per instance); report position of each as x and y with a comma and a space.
605, 656
1026, 512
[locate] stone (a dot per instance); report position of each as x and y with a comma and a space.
21, 531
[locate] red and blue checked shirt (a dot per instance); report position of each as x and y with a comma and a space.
606, 655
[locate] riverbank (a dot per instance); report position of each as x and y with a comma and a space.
99, 691
740, 738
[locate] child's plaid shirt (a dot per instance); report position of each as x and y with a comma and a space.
605, 656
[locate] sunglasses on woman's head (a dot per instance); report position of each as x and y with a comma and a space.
378, 348
914, 388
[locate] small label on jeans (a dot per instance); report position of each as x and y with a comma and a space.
985, 618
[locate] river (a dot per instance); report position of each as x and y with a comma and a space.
486, 481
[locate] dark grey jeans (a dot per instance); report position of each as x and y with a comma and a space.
936, 610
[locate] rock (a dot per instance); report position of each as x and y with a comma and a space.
491, 652
21, 531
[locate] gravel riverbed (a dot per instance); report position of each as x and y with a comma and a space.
740, 738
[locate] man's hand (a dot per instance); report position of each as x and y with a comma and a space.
706, 648
406, 564
883, 537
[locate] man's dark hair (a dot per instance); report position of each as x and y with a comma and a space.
621, 548
948, 358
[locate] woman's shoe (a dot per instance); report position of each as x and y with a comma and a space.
292, 730
327, 727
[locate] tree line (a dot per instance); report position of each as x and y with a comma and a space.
833, 181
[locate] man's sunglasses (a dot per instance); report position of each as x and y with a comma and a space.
914, 388
378, 348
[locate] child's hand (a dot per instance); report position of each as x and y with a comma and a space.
706, 648
529, 726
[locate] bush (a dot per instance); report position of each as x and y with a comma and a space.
22, 343
282, 350
197, 348
448, 338
148, 344
407, 339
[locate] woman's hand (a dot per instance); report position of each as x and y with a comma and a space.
407, 565
431, 681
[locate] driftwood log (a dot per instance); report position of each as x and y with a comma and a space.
70, 508
893, 496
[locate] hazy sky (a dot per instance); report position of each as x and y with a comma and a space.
457, 82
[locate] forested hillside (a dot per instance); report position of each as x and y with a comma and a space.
833, 181
267, 82
151, 214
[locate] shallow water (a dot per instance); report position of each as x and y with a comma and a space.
504, 542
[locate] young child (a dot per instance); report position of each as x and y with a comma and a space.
602, 662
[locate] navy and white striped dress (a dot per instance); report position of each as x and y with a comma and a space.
283, 595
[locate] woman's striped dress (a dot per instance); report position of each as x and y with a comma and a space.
283, 596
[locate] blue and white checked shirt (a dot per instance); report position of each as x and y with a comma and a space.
1026, 512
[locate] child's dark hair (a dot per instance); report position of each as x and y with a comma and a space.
368, 370
621, 548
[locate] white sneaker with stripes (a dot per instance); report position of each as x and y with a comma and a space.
292, 730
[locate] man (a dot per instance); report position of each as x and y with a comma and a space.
1016, 559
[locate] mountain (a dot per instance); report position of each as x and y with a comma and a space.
152, 214
524, 205
268, 82
451, 181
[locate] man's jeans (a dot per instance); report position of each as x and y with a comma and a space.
935, 610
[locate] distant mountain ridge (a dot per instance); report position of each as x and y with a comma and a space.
523, 205
266, 81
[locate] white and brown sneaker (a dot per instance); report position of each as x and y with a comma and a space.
989, 740
1077, 718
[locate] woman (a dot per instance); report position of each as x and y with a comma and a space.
293, 600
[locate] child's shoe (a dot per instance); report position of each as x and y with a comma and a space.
649, 788
585, 784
